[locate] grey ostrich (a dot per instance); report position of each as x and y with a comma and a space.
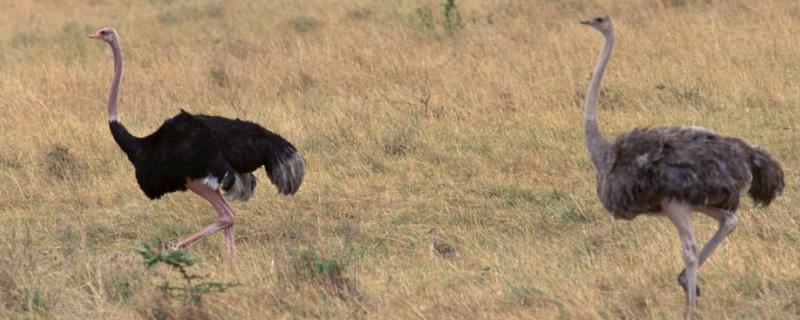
674, 171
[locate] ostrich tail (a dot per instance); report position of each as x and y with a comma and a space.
286, 171
767, 177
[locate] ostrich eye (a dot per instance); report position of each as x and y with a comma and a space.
599, 19
103, 32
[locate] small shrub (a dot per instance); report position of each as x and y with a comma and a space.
194, 286
329, 273
32, 301
452, 18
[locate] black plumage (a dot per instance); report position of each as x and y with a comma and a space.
238, 139
688, 164
199, 146
203, 154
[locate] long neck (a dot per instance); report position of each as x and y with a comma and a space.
129, 144
113, 93
597, 145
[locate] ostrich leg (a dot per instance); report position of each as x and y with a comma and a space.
727, 222
229, 236
681, 215
225, 220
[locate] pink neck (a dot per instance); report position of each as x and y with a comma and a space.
113, 94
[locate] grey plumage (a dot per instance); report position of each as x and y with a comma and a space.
767, 177
674, 171
688, 164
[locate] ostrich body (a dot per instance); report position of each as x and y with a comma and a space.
674, 171
204, 154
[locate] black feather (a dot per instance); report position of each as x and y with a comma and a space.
181, 148
197, 146
247, 146
127, 142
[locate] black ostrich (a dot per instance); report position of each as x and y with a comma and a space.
674, 171
204, 154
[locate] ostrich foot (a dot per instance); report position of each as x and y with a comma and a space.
683, 282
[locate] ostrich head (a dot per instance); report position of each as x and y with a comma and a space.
107, 34
601, 23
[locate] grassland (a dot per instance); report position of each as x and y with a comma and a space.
409, 121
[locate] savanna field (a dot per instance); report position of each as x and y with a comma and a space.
446, 175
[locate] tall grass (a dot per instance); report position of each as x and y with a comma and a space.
405, 126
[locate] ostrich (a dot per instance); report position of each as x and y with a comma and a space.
204, 154
673, 171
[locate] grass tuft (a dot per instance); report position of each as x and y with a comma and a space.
60, 163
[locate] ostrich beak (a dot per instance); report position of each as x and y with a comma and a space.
587, 22
95, 35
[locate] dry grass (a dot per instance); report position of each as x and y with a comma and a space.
405, 127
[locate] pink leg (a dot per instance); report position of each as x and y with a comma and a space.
681, 216
225, 220
727, 222
229, 242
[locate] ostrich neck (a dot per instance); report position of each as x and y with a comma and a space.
113, 94
132, 146
597, 145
